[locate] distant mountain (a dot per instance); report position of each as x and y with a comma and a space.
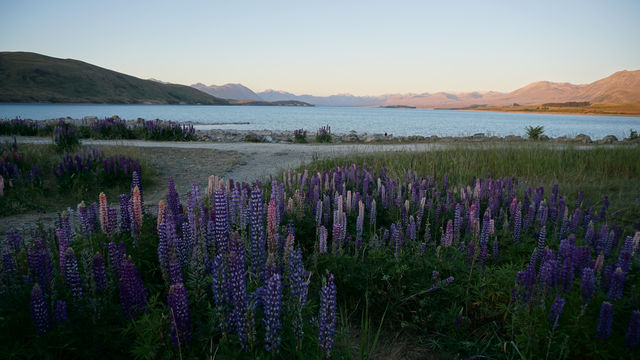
31, 77
621, 87
229, 91
333, 100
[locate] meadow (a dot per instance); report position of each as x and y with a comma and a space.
495, 251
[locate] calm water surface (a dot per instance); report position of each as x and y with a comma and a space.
400, 122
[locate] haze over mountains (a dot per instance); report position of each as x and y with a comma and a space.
620, 87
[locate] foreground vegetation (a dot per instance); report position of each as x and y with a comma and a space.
111, 128
39, 177
537, 260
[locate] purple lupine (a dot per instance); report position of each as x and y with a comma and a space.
271, 303
605, 321
173, 199
556, 311
72, 275
327, 315
133, 295
632, 338
447, 238
63, 245
542, 236
125, 217
587, 286
484, 238
517, 224
222, 221
548, 276
39, 310
99, 272
60, 314
221, 291
174, 273
616, 284
114, 258
137, 182
240, 318
256, 231
298, 290
372, 213
179, 315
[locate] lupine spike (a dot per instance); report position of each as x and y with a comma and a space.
39, 310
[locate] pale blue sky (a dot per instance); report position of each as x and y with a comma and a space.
325, 47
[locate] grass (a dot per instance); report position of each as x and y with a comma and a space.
596, 170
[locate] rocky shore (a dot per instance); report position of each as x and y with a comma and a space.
277, 136
205, 133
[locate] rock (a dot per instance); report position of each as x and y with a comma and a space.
512, 138
544, 138
609, 139
251, 137
478, 136
585, 139
374, 138
268, 139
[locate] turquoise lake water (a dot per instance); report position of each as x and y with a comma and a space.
399, 122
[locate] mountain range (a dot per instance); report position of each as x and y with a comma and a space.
620, 87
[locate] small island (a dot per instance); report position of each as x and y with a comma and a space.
397, 107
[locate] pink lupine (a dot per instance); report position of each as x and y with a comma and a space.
162, 208
104, 213
272, 231
137, 209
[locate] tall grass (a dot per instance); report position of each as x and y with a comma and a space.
614, 171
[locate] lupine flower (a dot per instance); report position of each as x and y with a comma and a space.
632, 338
271, 227
60, 312
256, 231
271, 303
327, 316
606, 320
240, 317
222, 221
133, 295
587, 287
136, 200
125, 218
322, 239
179, 315
616, 285
447, 238
74, 281
517, 224
39, 310
63, 245
99, 272
104, 215
556, 311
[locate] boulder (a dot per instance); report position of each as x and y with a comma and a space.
251, 137
374, 138
544, 138
609, 139
585, 139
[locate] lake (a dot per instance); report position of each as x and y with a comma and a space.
399, 122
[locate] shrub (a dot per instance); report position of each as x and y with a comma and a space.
324, 134
19, 126
633, 134
300, 136
534, 132
65, 137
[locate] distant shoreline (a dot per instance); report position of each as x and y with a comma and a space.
627, 110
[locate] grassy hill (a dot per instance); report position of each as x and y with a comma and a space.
31, 77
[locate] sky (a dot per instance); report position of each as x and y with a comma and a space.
334, 47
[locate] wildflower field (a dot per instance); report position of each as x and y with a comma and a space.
499, 253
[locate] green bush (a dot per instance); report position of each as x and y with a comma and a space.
534, 132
